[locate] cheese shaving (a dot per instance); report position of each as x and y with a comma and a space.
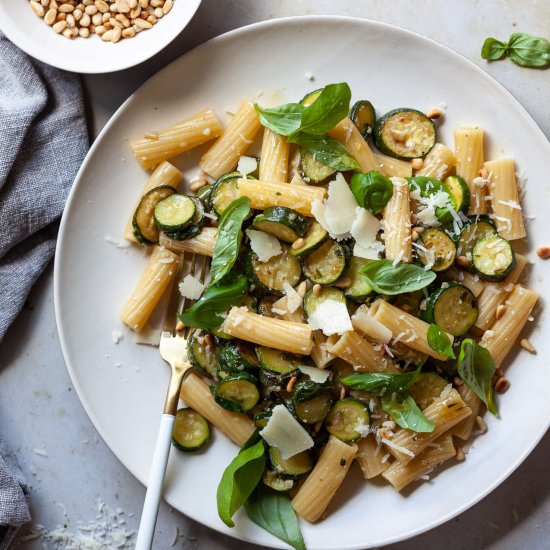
191, 288
265, 246
331, 317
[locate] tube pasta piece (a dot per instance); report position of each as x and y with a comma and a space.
400, 475
362, 355
495, 294
265, 331
319, 353
397, 223
160, 270
203, 243
274, 159
469, 161
470, 281
500, 339
164, 174
463, 430
503, 187
315, 494
177, 139
413, 331
370, 457
224, 155
196, 394
438, 163
445, 412
263, 194
362, 321
391, 167
350, 137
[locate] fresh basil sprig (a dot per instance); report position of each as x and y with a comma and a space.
284, 119
239, 479
440, 342
272, 511
523, 49
476, 368
388, 279
406, 413
205, 313
328, 151
229, 237
379, 383
371, 190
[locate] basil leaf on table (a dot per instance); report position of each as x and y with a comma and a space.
272, 511
284, 119
522, 48
371, 190
388, 279
327, 151
493, 49
215, 300
406, 414
229, 237
380, 383
440, 342
476, 368
238, 481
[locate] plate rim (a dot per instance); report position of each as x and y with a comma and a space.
309, 19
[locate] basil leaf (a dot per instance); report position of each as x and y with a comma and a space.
215, 300
385, 278
229, 237
284, 119
430, 190
527, 50
371, 190
328, 151
326, 111
440, 342
380, 383
238, 481
406, 414
476, 368
272, 511
493, 49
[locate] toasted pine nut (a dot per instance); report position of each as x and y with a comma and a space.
301, 289
50, 16
543, 252
298, 243
84, 32
502, 385
197, 184
342, 392
417, 163
66, 8
142, 24
167, 6
528, 346
59, 27
462, 261
481, 424
128, 33
434, 113
501, 310
291, 384
460, 454
317, 289
37, 8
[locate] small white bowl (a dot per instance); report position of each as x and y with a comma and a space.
90, 55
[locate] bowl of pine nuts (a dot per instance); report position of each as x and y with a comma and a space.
94, 36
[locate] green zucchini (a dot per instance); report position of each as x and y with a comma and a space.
271, 276
363, 116
277, 482
348, 419
202, 355
295, 466
197, 223
233, 357
477, 228
315, 236
459, 191
404, 134
281, 222
238, 392
143, 222
433, 190
265, 305
312, 300
359, 289
427, 387
493, 258
191, 430
277, 369
436, 249
204, 195
311, 401
314, 172
310, 98
174, 213
225, 191
327, 264
453, 308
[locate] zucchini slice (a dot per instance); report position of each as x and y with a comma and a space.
493, 258
277, 361
201, 355
312, 300
359, 289
479, 227
310, 98
404, 134
348, 419
197, 223
427, 387
453, 308
233, 357
459, 191
277, 482
238, 392
191, 430
174, 213
311, 401
225, 191
295, 466
271, 276
436, 249
265, 305
313, 171
363, 116
327, 264
315, 236
143, 222
204, 194
284, 223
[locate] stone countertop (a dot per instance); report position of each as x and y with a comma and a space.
70, 468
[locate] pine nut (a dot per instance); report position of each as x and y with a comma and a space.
462, 261
106, 36
45, 3
143, 3
417, 163
102, 6
434, 113
543, 252
196, 185
132, 4
158, 13
528, 346
142, 24
317, 289
298, 243
59, 27
123, 6
84, 32
152, 19
68, 33
70, 20
459, 454
66, 8
123, 19
117, 33
50, 16
37, 8
501, 310
97, 19
85, 20
481, 424
291, 384
77, 14
90, 10
502, 385
167, 6
100, 29
60, 17
128, 33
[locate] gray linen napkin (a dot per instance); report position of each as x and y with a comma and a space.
43, 140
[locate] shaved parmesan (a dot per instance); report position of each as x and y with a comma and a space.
191, 288
286, 433
265, 246
364, 229
320, 376
247, 165
331, 317
293, 299
371, 327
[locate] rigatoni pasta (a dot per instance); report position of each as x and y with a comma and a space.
275, 153
397, 223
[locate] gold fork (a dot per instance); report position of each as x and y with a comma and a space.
173, 349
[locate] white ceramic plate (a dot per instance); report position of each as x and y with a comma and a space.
391, 67
90, 55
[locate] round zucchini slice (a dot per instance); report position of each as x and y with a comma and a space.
314, 172
143, 222
310, 98
479, 227
276, 482
493, 258
404, 134
327, 264
359, 289
348, 419
281, 222
315, 236
271, 276
363, 116
438, 250
225, 191
277, 361
312, 300
174, 213
202, 355
265, 305
295, 466
238, 392
204, 195
233, 357
459, 191
197, 223
313, 409
191, 430
427, 387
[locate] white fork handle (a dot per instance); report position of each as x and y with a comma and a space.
154, 487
